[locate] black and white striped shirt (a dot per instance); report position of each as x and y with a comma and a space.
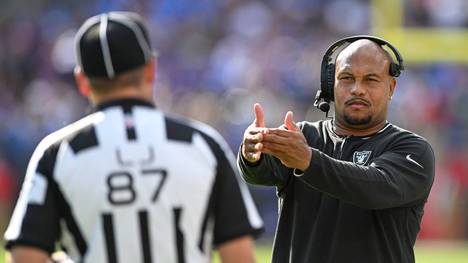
130, 184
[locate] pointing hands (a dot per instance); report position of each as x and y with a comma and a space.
287, 143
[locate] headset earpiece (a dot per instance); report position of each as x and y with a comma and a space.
330, 82
394, 70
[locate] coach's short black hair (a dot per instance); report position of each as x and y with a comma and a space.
111, 43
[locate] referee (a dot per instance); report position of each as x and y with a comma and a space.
352, 189
129, 183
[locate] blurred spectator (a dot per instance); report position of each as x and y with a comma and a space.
8, 192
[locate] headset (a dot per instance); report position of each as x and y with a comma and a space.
327, 75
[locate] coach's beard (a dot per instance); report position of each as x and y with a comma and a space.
357, 121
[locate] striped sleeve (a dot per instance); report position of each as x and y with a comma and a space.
35, 220
41, 207
234, 211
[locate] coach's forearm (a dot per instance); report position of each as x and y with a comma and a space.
383, 184
264, 172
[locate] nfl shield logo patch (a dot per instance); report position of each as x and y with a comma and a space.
362, 157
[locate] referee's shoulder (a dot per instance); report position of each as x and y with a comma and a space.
176, 122
69, 132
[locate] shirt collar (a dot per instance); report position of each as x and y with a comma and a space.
126, 103
331, 130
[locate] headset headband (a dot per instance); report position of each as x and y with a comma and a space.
351, 39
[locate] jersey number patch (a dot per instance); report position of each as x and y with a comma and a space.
121, 191
120, 188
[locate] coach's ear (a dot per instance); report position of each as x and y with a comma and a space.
82, 82
393, 83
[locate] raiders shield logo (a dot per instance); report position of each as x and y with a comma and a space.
361, 157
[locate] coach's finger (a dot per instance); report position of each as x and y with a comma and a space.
259, 115
253, 147
275, 150
283, 132
253, 138
273, 138
256, 130
249, 152
289, 122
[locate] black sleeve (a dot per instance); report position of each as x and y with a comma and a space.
234, 211
267, 171
401, 176
35, 220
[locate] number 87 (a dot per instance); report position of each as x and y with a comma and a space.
121, 190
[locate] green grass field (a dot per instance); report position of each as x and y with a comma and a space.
425, 253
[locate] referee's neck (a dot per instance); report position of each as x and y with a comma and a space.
141, 93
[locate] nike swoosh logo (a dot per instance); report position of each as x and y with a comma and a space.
408, 157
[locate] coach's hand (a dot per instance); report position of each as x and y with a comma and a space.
288, 144
253, 136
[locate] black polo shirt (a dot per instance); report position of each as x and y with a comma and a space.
361, 199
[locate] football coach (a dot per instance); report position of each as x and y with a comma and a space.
351, 188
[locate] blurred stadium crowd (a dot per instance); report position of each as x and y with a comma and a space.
216, 58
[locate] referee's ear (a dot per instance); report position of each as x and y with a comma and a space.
82, 82
150, 71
